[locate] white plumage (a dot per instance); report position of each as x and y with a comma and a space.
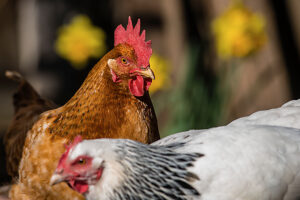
253, 158
287, 115
253, 162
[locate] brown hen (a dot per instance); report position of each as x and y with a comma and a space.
113, 102
28, 105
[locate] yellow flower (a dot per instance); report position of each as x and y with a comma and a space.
80, 40
238, 31
160, 67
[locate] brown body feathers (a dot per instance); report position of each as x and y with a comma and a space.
100, 108
28, 105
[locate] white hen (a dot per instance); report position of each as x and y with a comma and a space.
287, 115
252, 158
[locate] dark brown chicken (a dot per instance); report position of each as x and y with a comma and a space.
28, 105
112, 102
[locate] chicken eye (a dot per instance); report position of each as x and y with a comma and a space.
124, 61
81, 161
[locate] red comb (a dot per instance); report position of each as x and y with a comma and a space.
68, 148
132, 37
74, 143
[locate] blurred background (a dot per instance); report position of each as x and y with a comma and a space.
214, 61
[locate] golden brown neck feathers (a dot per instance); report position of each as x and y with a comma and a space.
102, 108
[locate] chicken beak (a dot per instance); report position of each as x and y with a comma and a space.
57, 178
146, 73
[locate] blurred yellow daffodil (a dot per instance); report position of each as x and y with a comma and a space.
238, 31
80, 40
161, 69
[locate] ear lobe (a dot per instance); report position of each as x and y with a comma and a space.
111, 63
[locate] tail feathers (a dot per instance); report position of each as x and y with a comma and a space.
25, 94
13, 75
28, 106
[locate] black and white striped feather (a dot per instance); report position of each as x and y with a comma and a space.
156, 172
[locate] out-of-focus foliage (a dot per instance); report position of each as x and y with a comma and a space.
161, 69
198, 102
79, 41
238, 31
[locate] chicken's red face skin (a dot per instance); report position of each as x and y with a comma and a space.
135, 70
126, 69
79, 173
75, 172
79, 179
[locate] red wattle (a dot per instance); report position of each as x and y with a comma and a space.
80, 186
137, 86
148, 83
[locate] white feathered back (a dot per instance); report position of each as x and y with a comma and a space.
287, 115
